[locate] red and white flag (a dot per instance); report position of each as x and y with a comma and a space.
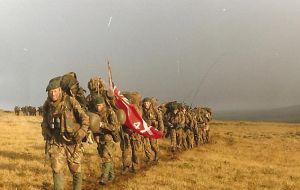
134, 120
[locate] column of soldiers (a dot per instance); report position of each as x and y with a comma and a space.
69, 118
27, 110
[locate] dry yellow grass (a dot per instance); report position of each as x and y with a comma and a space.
242, 155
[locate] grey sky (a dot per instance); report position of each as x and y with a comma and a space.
250, 49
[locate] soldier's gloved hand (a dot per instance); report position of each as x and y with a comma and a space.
80, 134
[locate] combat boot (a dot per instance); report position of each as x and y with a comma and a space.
156, 158
58, 179
77, 181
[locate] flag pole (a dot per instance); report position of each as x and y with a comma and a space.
109, 76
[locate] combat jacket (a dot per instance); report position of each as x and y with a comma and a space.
153, 118
173, 120
189, 121
63, 118
108, 126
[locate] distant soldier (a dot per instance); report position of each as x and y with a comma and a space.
32, 111
64, 126
206, 116
24, 110
153, 118
189, 125
105, 138
175, 120
17, 110
131, 142
199, 128
40, 110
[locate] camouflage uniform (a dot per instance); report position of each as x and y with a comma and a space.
188, 135
206, 116
105, 140
131, 142
131, 147
63, 127
175, 121
40, 110
17, 110
153, 118
199, 127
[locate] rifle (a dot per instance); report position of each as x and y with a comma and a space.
47, 147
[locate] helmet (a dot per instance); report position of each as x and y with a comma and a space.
54, 83
94, 122
133, 97
95, 84
174, 106
121, 116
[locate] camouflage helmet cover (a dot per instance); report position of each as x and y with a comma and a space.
95, 84
174, 106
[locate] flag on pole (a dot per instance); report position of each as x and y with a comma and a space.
134, 120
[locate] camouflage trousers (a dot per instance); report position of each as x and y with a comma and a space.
105, 147
131, 148
188, 138
60, 153
106, 151
176, 138
205, 133
151, 145
197, 135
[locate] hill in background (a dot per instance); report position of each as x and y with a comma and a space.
286, 114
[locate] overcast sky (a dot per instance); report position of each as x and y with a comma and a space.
226, 54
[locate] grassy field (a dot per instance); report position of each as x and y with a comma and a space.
241, 155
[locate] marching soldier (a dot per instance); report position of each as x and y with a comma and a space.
64, 126
153, 118
198, 128
188, 133
17, 110
131, 142
175, 121
105, 138
206, 116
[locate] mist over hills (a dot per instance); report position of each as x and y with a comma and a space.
289, 114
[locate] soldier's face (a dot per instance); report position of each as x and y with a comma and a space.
54, 94
147, 105
100, 107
